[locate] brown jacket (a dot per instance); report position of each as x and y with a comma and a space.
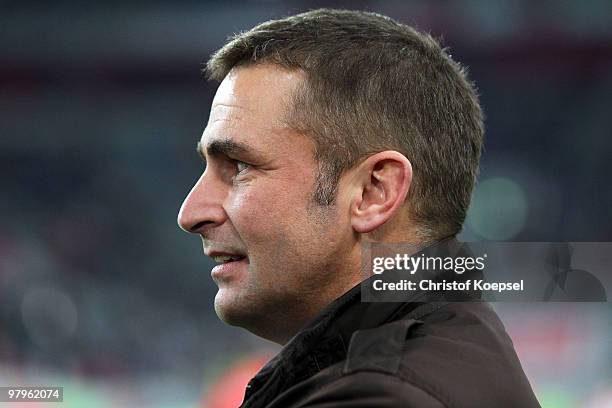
426, 354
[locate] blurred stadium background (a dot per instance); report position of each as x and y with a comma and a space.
101, 104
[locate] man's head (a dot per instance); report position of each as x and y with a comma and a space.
329, 128
372, 84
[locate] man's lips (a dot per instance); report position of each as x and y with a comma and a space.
230, 266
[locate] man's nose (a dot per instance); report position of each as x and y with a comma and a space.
202, 208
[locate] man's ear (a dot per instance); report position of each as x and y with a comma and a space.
380, 188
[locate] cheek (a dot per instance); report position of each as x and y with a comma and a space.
262, 212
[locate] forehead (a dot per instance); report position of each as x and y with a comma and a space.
250, 105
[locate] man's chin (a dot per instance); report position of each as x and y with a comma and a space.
230, 310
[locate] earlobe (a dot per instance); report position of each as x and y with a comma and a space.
383, 183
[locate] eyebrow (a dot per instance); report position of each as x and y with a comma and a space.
226, 147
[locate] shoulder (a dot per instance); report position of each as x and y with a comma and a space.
457, 356
460, 355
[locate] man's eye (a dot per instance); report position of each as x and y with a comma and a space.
241, 166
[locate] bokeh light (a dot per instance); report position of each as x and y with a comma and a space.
499, 209
49, 316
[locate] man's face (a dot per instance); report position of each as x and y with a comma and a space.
280, 254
